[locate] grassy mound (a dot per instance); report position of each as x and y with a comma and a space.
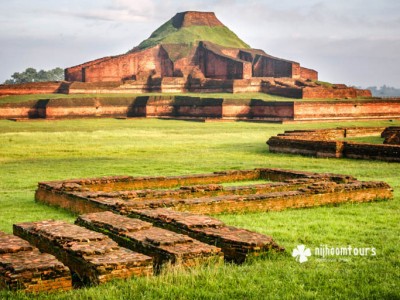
168, 34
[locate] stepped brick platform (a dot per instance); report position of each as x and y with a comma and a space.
24, 267
204, 193
330, 143
92, 257
195, 108
163, 245
236, 243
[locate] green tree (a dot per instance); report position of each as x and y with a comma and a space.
31, 75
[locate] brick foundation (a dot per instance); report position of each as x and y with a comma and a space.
23, 267
163, 245
92, 257
237, 244
327, 143
204, 194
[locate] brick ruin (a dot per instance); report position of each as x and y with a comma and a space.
92, 257
188, 58
205, 109
135, 225
331, 143
24, 267
162, 245
206, 194
192, 52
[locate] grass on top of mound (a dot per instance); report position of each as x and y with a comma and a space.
168, 34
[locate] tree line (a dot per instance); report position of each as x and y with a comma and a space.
384, 91
32, 75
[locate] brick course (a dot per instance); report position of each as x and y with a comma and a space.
163, 245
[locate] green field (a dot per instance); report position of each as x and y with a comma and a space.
54, 150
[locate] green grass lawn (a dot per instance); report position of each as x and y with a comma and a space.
54, 150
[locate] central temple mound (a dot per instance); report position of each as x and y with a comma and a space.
190, 45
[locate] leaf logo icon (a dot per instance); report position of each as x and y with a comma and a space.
301, 253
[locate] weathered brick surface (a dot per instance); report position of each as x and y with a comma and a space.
203, 193
30, 88
23, 267
327, 143
236, 243
391, 135
197, 108
199, 59
163, 245
92, 256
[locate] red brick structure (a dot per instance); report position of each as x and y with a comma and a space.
330, 143
204, 194
92, 257
24, 267
193, 57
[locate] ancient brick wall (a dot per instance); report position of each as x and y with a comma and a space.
215, 64
320, 110
324, 143
306, 147
272, 110
340, 93
76, 73
147, 62
95, 107
49, 87
372, 151
268, 66
125, 195
308, 73
29, 109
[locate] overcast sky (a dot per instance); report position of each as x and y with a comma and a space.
356, 42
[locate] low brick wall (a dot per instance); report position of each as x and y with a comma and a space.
237, 244
163, 245
93, 257
24, 267
201, 108
324, 143
355, 109
202, 193
50, 87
